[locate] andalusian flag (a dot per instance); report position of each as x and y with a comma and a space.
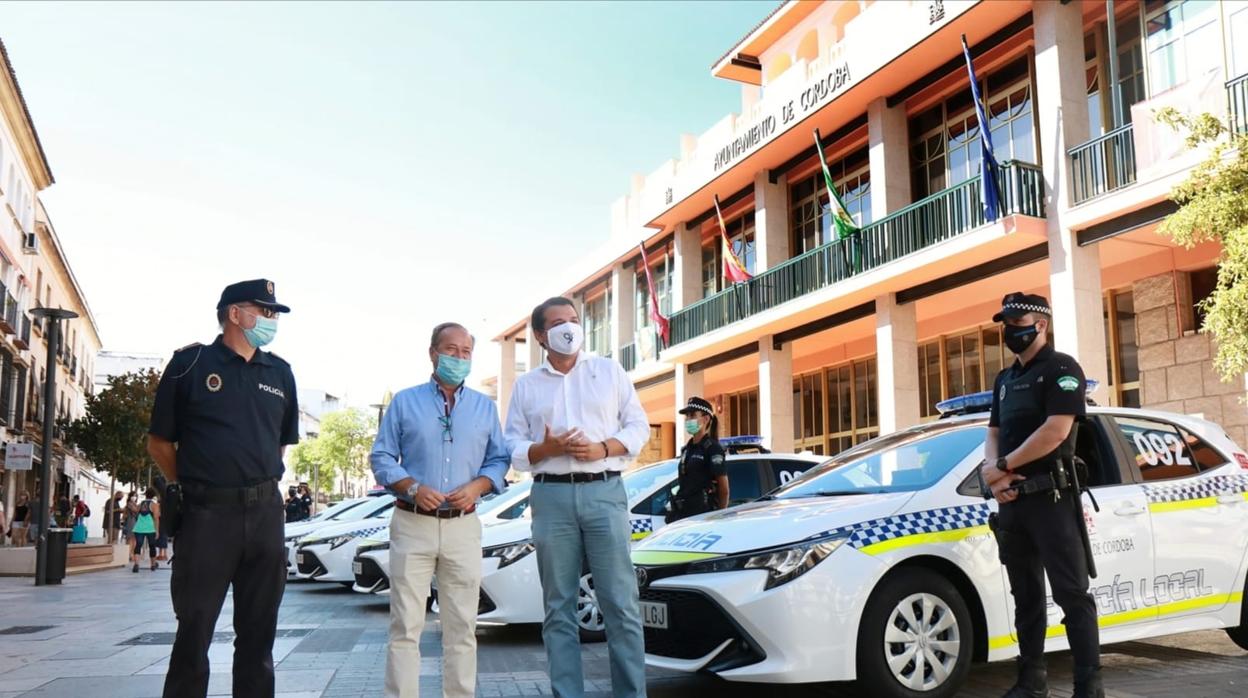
734, 270
841, 220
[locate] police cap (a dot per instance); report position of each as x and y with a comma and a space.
1018, 304
258, 291
697, 404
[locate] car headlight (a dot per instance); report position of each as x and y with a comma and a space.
783, 564
334, 543
510, 552
372, 546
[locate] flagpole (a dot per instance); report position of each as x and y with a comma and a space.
730, 258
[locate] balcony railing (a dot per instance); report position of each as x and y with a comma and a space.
23, 334
1102, 165
1237, 93
628, 356
933, 220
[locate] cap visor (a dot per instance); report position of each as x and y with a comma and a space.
273, 306
687, 410
1007, 313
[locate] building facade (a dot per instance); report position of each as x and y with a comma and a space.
834, 341
34, 272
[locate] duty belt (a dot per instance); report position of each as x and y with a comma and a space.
230, 496
1036, 484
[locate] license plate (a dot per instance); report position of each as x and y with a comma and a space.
357, 567
299, 558
654, 614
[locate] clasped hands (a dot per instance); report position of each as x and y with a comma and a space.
999, 482
571, 443
463, 497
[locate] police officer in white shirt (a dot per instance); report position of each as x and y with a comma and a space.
575, 422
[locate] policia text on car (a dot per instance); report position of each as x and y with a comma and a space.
222, 416
1029, 467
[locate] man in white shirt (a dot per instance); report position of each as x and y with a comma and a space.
575, 422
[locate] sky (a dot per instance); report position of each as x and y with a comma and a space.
389, 166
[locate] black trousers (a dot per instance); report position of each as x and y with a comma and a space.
1037, 536
219, 546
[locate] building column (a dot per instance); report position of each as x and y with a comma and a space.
506, 374
688, 384
687, 270
1074, 272
897, 358
623, 292
536, 353
771, 221
775, 394
889, 158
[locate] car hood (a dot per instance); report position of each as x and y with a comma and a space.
504, 531
364, 527
764, 524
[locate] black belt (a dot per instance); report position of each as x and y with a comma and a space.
576, 478
229, 496
1036, 484
436, 513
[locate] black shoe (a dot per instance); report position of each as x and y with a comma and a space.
1088, 683
1033, 680
136, 568
155, 565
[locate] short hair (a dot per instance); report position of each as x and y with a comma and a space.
223, 314
437, 333
150, 493
538, 319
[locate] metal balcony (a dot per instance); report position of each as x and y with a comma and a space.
939, 217
1102, 165
1237, 95
23, 334
628, 356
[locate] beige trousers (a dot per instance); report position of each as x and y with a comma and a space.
421, 546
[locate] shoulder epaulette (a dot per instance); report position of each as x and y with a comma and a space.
278, 357
192, 345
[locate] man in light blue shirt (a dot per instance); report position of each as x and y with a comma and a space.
439, 448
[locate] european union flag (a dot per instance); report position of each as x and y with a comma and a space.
989, 167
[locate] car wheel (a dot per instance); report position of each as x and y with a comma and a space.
915, 638
1239, 635
588, 615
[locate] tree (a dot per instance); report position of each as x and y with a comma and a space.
1213, 207
341, 447
113, 432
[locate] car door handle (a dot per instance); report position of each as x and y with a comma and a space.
1130, 510
1230, 498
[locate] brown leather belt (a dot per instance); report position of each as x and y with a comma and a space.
436, 513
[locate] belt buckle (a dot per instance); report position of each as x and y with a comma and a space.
251, 495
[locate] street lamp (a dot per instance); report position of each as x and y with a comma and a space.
54, 316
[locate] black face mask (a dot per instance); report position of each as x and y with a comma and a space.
1019, 337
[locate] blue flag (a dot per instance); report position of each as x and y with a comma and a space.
988, 166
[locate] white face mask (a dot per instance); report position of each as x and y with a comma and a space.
565, 339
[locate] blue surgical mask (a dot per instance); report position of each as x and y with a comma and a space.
262, 332
452, 370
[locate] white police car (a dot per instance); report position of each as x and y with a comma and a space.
347, 510
326, 554
510, 589
372, 556
879, 565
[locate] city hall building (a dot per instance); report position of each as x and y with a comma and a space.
834, 341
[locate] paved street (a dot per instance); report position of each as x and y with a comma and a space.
108, 635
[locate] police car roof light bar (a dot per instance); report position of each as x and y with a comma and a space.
982, 401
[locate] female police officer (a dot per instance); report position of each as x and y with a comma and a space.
703, 478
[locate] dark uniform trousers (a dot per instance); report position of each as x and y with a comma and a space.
1041, 535
218, 545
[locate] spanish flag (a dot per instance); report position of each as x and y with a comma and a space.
661, 323
734, 270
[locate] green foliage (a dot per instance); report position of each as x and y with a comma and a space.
1213, 207
113, 432
341, 447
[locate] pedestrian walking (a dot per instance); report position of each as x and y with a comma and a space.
1029, 469
702, 474
145, 528
131, 514
223, 415
575, 422
112, 517
19, 525
440, 449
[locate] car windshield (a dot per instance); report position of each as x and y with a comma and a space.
642, 479
363, 510
512, 494
335, 511
907, 461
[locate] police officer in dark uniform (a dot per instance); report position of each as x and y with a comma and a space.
223, 415
1028, 458
703, 478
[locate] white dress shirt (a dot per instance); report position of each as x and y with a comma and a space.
596, 396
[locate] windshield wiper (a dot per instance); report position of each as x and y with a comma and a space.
839, 493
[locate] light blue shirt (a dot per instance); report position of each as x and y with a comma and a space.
417, 439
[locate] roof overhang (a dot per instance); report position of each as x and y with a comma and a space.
13, 106
741, 62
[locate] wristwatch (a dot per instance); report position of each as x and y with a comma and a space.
1001, 465
411, 490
